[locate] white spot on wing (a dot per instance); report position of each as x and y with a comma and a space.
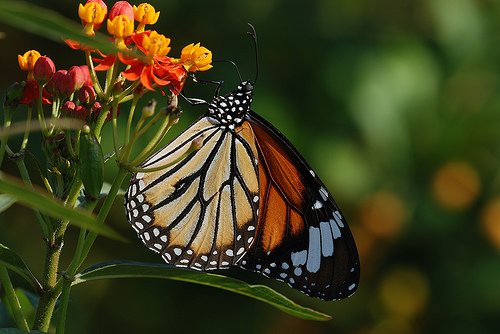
298, 258
335, 229
317, 205
314, 253
326, 239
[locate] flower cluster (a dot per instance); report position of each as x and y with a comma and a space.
139, 63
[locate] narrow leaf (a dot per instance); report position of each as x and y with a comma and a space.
5, 202
38, 198
50, 24
128, 269
12, 261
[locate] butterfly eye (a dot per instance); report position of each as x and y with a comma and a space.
248, 87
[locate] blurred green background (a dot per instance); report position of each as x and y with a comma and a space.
396, 105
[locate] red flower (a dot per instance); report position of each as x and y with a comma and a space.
30, 94
156, 67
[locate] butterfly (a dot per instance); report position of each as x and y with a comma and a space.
245, 198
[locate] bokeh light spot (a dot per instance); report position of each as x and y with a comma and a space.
456, 185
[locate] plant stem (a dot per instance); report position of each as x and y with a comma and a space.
51, 288
5, 137
106, 207
42, 221
83, 248
13, 301
93, 75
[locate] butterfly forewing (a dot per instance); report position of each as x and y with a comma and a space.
200, 211
246, 197
302, 237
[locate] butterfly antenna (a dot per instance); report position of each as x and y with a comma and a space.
232, 63
253, 34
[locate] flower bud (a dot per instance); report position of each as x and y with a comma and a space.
44, 69
75, 72
61, 84
149, 109
81, 112
96, 108
68, 108
121, 8
86, 75
87, 95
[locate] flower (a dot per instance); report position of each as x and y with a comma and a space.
156, 66
145, 14
27, 62
30, 94
78, 77
44, 69
121, 26
64, 83
70, 109
86, 75
92, 15
121, 8
195, 58
87, 95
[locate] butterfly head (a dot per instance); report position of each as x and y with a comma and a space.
232, 108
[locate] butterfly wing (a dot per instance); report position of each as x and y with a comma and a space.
302, 237
199, 212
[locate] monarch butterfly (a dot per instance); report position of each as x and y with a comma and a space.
246, 197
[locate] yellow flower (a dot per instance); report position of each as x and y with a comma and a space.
121, 26
156, 44
92, 15
195, 58
27, 61
145, 14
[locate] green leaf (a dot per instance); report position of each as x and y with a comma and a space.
106, 187
5, 202
129, 269
17, 331
12, 261
38, 198
50, 24
28, 303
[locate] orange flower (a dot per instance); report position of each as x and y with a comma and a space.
121, 26
156, 67
145, 14
195, 58
92, 15
27, 62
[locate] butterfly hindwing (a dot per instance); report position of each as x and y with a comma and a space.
302, 237
198, 212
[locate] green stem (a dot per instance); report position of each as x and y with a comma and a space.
13, 301
130, 118
103, 212
101, 120
93, 75
5, 137
27, 131
51, 288
115, 127
63, 308
128, 90
44, 223
148, 150
41, 116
